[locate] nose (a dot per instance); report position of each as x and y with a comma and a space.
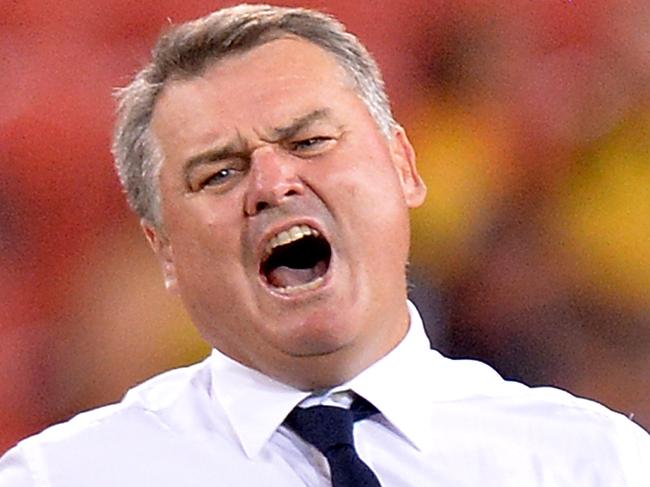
272, 179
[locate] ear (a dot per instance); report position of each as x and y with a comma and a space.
413, 187
162, 248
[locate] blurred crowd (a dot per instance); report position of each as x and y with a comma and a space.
531, 120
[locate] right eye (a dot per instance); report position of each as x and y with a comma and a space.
218, 178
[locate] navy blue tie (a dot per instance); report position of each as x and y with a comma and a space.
329, 428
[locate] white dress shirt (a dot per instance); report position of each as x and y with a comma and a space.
443, 423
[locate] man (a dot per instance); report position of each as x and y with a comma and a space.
273, 184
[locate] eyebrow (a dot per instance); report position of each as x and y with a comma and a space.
299, 124
237, 148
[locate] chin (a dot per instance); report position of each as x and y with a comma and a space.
320, 336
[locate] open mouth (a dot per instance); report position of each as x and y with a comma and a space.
296, 260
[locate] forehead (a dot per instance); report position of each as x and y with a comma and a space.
262, 87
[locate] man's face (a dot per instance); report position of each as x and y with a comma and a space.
285, 214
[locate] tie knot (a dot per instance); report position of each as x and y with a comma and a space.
327, 427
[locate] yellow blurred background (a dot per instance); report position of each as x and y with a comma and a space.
531, 120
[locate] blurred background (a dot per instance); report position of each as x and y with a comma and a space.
531, 119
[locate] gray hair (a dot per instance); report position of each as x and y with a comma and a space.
186, 50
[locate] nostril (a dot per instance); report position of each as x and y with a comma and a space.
264, 194
261, 206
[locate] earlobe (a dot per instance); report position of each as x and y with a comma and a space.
413, 186
162, 248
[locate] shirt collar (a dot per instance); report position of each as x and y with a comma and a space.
391, 384
255, 404
394, 384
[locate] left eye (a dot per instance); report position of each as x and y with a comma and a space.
310, 143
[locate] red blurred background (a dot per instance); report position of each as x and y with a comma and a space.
531, 120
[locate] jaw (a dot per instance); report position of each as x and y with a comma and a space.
326, 334
335, 351
325, 337
315, 338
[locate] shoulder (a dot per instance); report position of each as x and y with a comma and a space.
538, 423
474, 383
147, 423
143, 404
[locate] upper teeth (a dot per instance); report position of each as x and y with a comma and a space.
292, 234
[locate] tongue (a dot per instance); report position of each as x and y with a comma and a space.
283, 276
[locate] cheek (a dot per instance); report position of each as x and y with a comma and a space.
368, 202
204, 238
209, 269
371, 191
